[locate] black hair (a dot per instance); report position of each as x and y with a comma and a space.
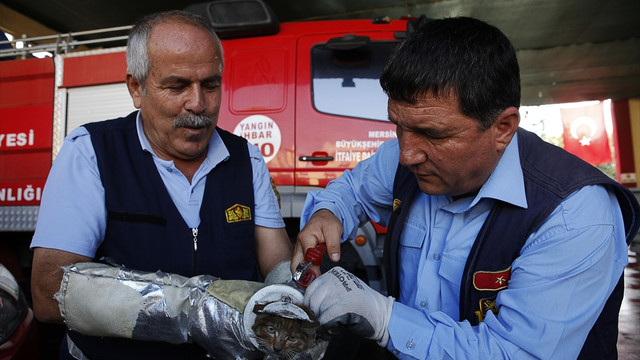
462, 56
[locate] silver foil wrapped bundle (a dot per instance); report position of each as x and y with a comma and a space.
102, 300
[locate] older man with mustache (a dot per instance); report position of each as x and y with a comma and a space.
161, 189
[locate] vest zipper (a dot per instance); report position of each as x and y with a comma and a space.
194, 231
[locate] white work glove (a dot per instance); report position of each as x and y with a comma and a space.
340, 298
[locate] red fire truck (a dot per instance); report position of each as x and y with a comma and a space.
306, 93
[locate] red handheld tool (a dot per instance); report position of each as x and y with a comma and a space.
302, 276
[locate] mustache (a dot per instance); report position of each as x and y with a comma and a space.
190, 120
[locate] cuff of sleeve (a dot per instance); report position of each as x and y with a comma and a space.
409, 332
390, 301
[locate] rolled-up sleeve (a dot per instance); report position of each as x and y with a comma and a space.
72, 214
267, 208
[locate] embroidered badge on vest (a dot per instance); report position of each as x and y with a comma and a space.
396, 203
238, 213
491, 280
487, 304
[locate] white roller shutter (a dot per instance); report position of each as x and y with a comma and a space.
95, 103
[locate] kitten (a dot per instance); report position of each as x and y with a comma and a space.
283, 337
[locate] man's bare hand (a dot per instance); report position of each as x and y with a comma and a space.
322, 227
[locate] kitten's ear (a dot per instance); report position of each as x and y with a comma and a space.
309, 325
258, 307
314, 323
307, 310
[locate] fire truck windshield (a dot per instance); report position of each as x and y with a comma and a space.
345, 82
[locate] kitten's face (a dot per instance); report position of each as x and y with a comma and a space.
282, 337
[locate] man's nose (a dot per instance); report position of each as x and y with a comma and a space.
411, 151
195, 99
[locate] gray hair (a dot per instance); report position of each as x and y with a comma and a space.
137, 56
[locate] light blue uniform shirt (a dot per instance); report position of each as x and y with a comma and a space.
558, 286
72, 213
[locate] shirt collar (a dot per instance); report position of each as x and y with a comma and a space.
506, 182
216, 153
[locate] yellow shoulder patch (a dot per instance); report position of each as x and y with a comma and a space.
275, 190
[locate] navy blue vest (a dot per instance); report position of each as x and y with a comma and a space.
145, 230
550, 175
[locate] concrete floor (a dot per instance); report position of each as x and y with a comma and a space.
629, 326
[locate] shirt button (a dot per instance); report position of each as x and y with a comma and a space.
411, 345
436, 257
423, 304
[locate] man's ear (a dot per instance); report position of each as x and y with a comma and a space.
135, 90
506, 126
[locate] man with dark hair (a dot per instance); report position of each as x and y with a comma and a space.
161, 189
499, 245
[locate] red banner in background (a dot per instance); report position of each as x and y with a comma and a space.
584, 133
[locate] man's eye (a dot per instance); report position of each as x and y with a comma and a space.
433, 135
429, 135
211, 86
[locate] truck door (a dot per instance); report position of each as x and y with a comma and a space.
341, 109
341, 114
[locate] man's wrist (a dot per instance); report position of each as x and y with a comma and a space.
384, 339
